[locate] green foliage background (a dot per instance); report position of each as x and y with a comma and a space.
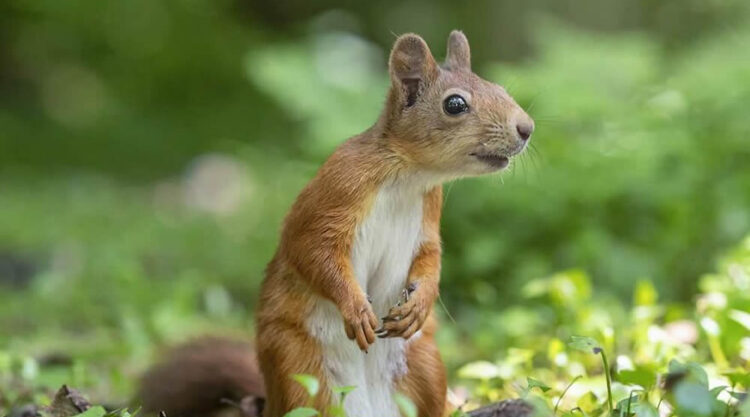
149, 150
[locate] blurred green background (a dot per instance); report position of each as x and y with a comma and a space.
149, 151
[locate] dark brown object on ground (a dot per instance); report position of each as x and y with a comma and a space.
68, 402
507, 408
202, 377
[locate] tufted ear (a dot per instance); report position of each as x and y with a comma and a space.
459, 54
412, 68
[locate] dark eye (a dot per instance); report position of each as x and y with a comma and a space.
455, 104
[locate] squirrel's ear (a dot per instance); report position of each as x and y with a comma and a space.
459, 54
412, 67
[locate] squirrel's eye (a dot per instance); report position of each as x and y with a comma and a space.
455, 104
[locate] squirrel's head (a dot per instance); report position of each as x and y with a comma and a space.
445, 118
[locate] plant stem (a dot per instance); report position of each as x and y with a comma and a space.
609, 382
714, 346
564, 392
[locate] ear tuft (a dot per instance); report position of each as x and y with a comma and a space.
459, 53
412, 67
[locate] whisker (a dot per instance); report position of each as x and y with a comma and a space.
548, 121
531, 105
533, 159
548, 116
524, 169
537, 154
509, 85
447, 193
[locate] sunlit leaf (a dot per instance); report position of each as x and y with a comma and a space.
638, 376
406, 405
343, 391
645, 293
336, 410
740, 317
479, 370
584, 344
96, 411
715, 391
588, 402
532, 383
302, 412
310, 383
458, 413
739, 377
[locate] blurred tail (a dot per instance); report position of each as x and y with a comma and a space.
206, 377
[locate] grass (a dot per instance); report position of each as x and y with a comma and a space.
682, 360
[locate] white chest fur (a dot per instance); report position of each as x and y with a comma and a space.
384, 246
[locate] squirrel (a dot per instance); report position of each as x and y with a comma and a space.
348, 295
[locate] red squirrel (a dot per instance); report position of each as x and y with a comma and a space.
348, 295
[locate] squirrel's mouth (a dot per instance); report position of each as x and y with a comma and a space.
494, 160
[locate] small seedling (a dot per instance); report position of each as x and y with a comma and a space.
589, 345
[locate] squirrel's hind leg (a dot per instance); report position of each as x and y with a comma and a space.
286, 352
425, 382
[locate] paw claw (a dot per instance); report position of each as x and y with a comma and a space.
407, 316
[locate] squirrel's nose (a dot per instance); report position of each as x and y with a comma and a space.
525, 129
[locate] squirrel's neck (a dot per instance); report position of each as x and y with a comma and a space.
395, 165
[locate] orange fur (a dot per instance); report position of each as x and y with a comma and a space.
425, 383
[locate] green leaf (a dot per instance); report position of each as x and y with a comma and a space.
697, 373
625, 406
588, 402
744, 409
693, 371
336, 410
539, 405
538, 384
122, 412
96, 411
302, 412
740, 317
310, 383
645, 293
645, 409
739, 377
571, 286
693, 399
458, 413
715, 391
479, 370
405, 404
584, 344
738, 395
639, 376
344, 390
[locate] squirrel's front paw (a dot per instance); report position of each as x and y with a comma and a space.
408, 316
360, 323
